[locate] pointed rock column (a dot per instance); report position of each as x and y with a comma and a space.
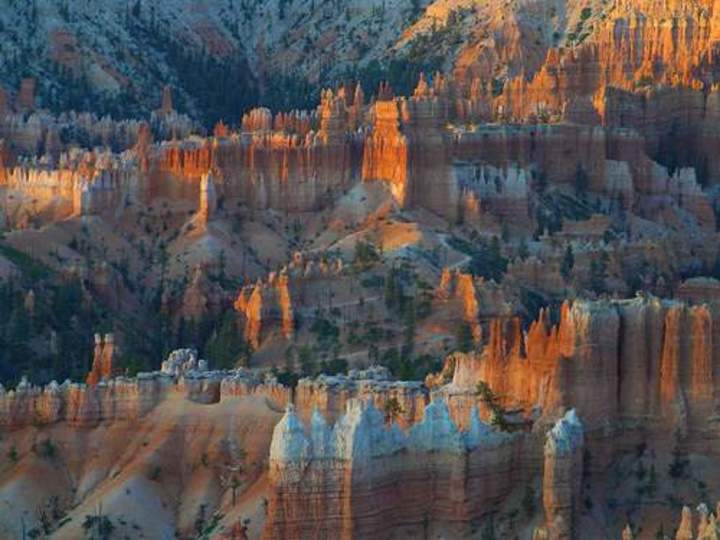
562, 476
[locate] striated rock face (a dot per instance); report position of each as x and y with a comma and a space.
562, 476
647, 65
102, 366
654, 359
329, 395
431, 183
119, 399
269, 305
486, 189
385, 156
84, 183
208, 200
124, 399
279, 163
421, 146
263, 303
361, 479
473, 299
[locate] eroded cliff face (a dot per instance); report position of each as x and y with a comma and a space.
386, 150
362, 479
646, 65
330, 395
423, 147
268, 305
121, 399
103, 357
654, 358
363, 455
293, 162
563, 476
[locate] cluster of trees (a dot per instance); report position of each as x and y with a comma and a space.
50, 338
49, 334
486, 258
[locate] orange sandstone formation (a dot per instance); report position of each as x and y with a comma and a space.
263, 302
102, 366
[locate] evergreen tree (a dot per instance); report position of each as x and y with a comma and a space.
392, 410
568, 263
598, 270
226, 348
391, 289
308, 365
582, 181
523, 252
464, 337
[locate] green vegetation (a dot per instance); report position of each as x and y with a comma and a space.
581, 181
486, 259
679, 465
226, 347
464, 341
33, 269
13, 455
528, 501
46, 449
392, 410
98, 527
568, 263
155, 473
366, 255
598, 272
490, 400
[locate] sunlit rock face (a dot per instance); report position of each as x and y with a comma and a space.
102, 366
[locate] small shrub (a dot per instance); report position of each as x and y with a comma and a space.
155, 473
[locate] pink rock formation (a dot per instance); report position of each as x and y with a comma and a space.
562, 476
262, 302
208, 200
329, 395
123, 399
469, 299
103, 357
660, 370
201, 297
385, 157
360, 479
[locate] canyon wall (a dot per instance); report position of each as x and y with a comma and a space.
344, 463
362, 478
122, 399
611, 360
429, 157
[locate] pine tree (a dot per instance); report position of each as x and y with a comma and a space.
226, 348
464, 337
308, 366
523, 252
391, 289
568, 263
598, 270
